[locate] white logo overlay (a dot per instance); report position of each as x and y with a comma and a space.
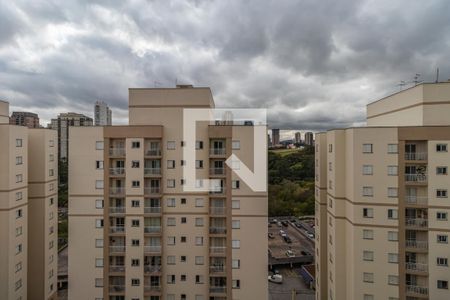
236, 125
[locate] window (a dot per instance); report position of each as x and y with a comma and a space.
199, 164
236, 244
18, 267
183, 200
368, 277
442, 284
235, 224
99, 184
171, 222
441, 216
392, 279
367, 148
170, 183
367, 234
170, 164
99, 203
368, 212
368, 255
199, 279
183, 277
183, 258
19, 213
99, 262
442, 239
99, 243
51, 201
442, 261
199, 183
51, 172
18, 248
330, 148
135, 242
135, 183
135, 164
19, 178
99, 223
392, 148
441, 170
392, 192
135, 144
99, 145
18, 142
19, 231
392, 236
170, 202
170, 240
171, 279
199, 260
18, 284
368, 297
236, 284
235, 184
235, 263
134, 223
135, 282
183, 239
170, 297
19, 196
198, 221
198, 240
135, 262
171, 145
199, 202
367, 191
441, 193
198, 145
393, 258
367, 170
183, 220
99, 164
51, 157
392, 170
235, 145
135, 203
98, 282
19, 160
392, 214
441, 147
235, 204
171, 259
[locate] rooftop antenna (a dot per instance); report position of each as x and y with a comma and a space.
437, 75
416, 79
401, 84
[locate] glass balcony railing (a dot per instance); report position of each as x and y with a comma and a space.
416, 290
152, 190
152, 268
117, 249
117, 268
416, 267
117, 151
419, 178
152, 229
153, 152
218, 211
423, 245
417, 200
117, 210
152, 171
116, 190
152, 249
419, 223
152, 210
217, 289
217, 269
217, 151
217, 249
416, 156
115, 288
117, 229
217, 230
116, 171
217, 171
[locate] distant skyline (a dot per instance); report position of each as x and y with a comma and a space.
313, 64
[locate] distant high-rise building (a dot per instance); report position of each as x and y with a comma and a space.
269, 141
382, 202
28, 211
22, 118
309, 138
275, 137
298, 137
102, 114
62, 124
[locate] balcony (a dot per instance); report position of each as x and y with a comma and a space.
116, 151
417, 200
152, 249
117, 229
414, 290
217, 289
152, 190
117, 249
419, 245
217, 151
216, 171
116, 268
416, 223
217, 269
217, 230
152, 229
152, 269
416, 178
117, 210
416, 156
152, 171
216, 190
113, 288
117, 171
152, 210
217, 211
153, 152
417, 267
116, 191
152, 288
217, 249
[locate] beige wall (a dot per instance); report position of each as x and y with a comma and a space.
4, 112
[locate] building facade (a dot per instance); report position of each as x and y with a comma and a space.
102, 114
275, 137
62, 125
309, 138
28, 211
135, 233
298, 138
382, 201
22, 118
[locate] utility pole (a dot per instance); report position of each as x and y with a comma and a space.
293, 294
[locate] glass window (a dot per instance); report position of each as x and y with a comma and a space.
368, 212
367, 234
441, 170
235, 204
198, 145
99, 184
392, 170
99, 203
235, 224
392, 214
170, 183
99, 145
368, 277
135, 144
18, 142
367, 169
392, 192
170, 164
392, 148
199, 202
393, 258
367, 191
235, 145
171, 145
368, 255
236, 244
367, 148
199, 260
441, 147
392, 236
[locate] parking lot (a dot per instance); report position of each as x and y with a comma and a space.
291, 282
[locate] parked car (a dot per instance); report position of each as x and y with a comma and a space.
271, 236
298, 225
279, 224
310, 235
273, 221
305, 252
287, 239
290, 253
285, 223
281, 232
276, 278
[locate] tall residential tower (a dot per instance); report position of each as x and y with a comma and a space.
102, 114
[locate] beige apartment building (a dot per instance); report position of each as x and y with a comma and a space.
134, 230
28, 211
382, 201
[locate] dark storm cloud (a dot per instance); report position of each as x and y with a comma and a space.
313, 64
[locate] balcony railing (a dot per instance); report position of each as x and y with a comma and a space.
217, 210
416, 267
217, 249
416, 178
117, 249
421, 223
153, 152
216, 190
116, 171
217, 171
152, 210
152, 268
152, 288
217, 151
417, 244
117, 151
217, 230
152, 190
117, 210
217, 289
152, 229
117, 268
152, 171
114, 288
419, 290
116, 190
417, 200
217, 269
152, 249
117, 229
416, 156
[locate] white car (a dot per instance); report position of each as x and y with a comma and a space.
276, 278
282, 232
311, 235
290, 253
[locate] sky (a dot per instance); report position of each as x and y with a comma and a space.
313, 64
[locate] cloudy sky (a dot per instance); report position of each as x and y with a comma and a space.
313, 64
